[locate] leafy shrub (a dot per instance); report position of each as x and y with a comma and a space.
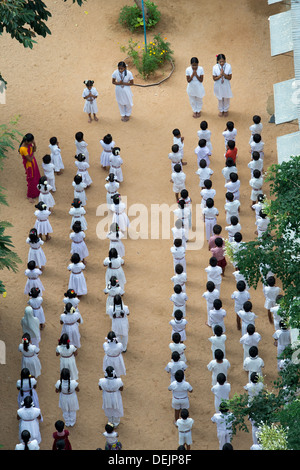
148, 60
131, 17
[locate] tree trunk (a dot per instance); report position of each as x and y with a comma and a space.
139, 5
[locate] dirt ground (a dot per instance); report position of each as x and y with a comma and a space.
45, 87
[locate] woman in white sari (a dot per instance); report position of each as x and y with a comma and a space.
123, 79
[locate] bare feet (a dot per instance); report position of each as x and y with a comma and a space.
220, 114
123, 118
198, 114
225, 113
195, 115
96, 119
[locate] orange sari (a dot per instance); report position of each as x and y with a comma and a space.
32, 172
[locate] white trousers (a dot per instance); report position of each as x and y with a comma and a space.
69, 418
196, 103
223, 104
209, 225
114, 420
125, 109
224, 438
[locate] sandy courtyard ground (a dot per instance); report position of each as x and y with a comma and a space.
45, 88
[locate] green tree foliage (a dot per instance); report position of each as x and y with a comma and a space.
24, 20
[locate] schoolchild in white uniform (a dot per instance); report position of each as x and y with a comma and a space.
214, 272
251, 338
68, 401
253, 363
257, 145
180, 389
229, 133
82, 169
122, 79
78, 212
56, 158
114, 263
33, 278
218, 340
29, 418
218, 365
178, 178
71, 297
183, 212
231, 207
256, 163
107, 143
178, 252
48, 168
210, 213
178, 324
30, 359
81, 146
180, 231
175, 156
90, 95
77, 280
275, 312
112, 289
36, 252
179, 299
240, 296
177, 345
120, 217
70, 321
42, 224
217, 315
261, 223
221, 390
67, 353
195, 89
79, 189
204, 172
180, 277
178, 139
35, 302
115, 236
247, 316
222, 75
205, 133
223, 420
112, 404
184, 425
118, 313
207, 192
45, 195
233, 186
256, 127
174, 365
270, 291
112, 188
210, 295
282, 339
202, 151
116, 162
256, 184
113, 350
229, 167
78, 244
27, 443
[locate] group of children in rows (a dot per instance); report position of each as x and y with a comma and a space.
219, 365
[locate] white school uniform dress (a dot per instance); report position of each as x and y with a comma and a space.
36, 252
82, 169
176, 158
180, 348
214, 275
224, 427
119, 323
185, 216
123, 93
71, 327
29, 422
210, 297
253, 389
75, 302
239, 276
30, 359
239, 299
78, 214
258, 147
180, 279
67, 359
222, 87
79, 192
181, 234
178, 181
203, 153
221, 393
116, 163
256, 185
116, 242
28, 390
81, 147
206, 194
178, 141
113, 357
217, 342
32, 445
283, 338
68, 401
90, 104
255, 129
42, 224
33, 280
38, 311
178, 256
112, 403
262, 225
172, 367
232, 209
249, 340
218, 368
111, 292
206, 135
178, 326
77, 280
46, 196
256, 165
180, 397
114, 270
56, 158
234, 188
258, 206
119, 216
270, 294
184, 427
229, 135
112, 188
50, 175
78, 245
253, 364
179, 302
204, 174
195, 89
216, 317
247, 319
210, 217
106, 152
226, 172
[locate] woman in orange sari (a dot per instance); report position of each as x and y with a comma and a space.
27, 149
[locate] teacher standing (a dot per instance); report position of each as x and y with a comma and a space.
195, 89
123, 79
222, 75
27, 149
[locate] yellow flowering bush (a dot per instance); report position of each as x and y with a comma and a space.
148, 59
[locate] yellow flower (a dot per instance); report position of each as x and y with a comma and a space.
4, 295
139, 47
